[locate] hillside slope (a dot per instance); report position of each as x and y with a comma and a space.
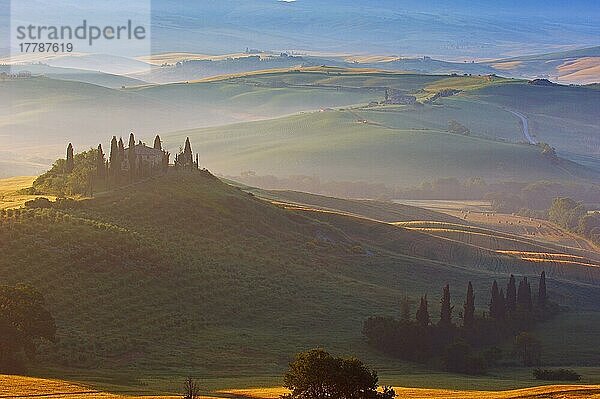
395, 148
209, 278
37, 114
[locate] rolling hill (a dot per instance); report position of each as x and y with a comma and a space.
349, 145
580, 66
209, 278
40, 114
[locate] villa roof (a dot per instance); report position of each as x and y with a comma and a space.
143, 149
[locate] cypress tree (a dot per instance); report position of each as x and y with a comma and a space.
70, 164
423, 313
529, 297
524, 295
501, 305
446, 311
131, 157
100, 169
542, 298
157, 143
469, 308
187, 153
405, 309
511, 294
495, 302
114, 163
521, 294
121, 149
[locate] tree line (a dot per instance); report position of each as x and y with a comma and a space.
470, 346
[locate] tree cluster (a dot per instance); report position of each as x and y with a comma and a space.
316, 374
458, 128
90, 171
573, 216
471, 346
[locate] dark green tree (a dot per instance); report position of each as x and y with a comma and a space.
446, 308
542, 297
423, 313
511, 294
24, 319
528, 348
187, 158
114, 161
405, 306
70, 164
501, 305
495, 312
316, 374
131, 158
469, 308
100, 163
157, 143
121, 149
524, 295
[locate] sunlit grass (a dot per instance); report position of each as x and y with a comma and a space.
551, 391
9, 195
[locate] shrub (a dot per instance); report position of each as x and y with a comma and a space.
40, 202
556, 375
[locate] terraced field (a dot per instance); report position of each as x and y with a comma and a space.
488, 247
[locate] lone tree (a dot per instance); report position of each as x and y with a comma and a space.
70, 164
469, 308
190, 389
423, 313
24, 319
316, 374
446, 310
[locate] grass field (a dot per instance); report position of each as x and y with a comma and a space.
70, 111
10, 197
338, 145
555, 391
21, 387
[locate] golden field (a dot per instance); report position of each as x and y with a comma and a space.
550, 391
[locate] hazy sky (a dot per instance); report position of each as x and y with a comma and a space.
442, 28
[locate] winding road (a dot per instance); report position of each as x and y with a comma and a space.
525, 124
